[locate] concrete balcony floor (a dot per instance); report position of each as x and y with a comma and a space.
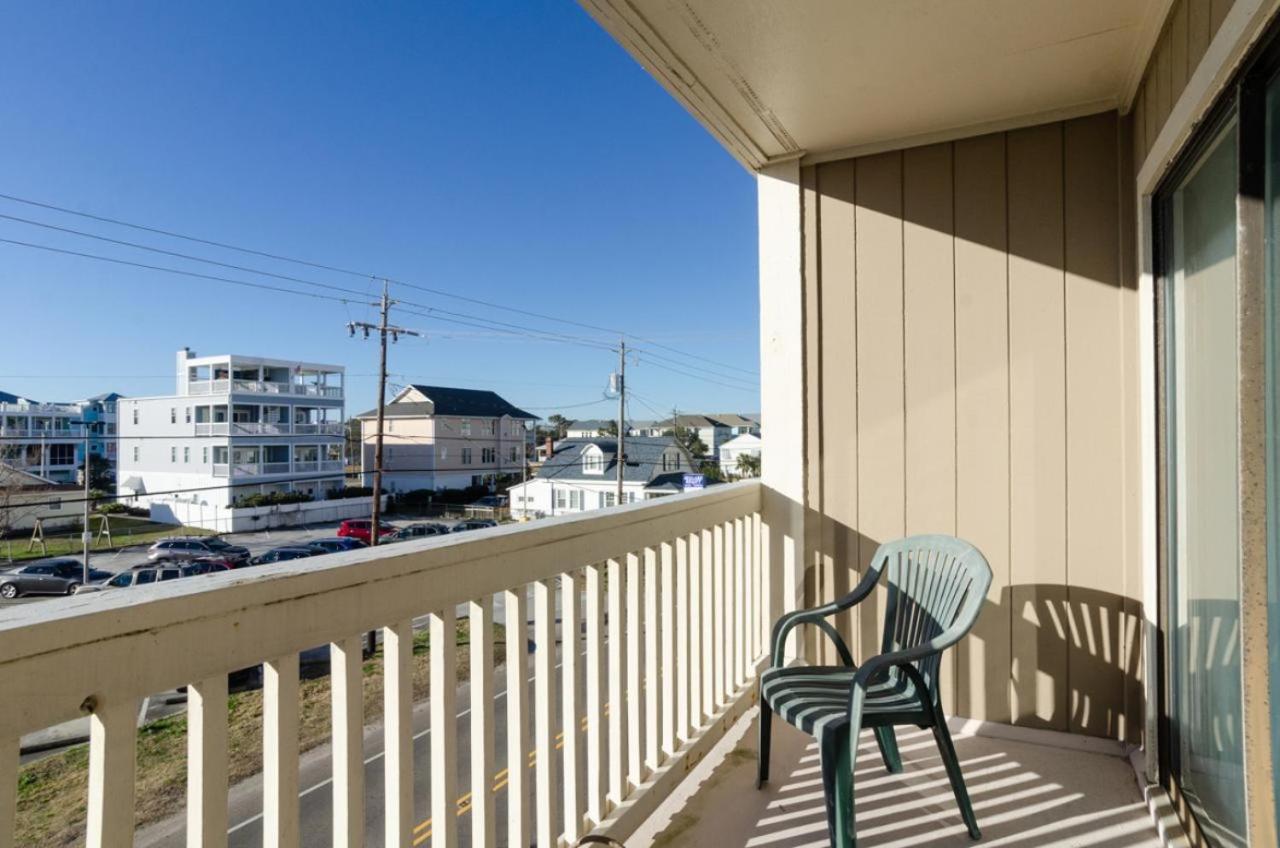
1024, 794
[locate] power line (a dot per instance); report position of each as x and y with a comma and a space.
660, 357
326, 267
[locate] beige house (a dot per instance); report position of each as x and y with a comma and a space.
1016, 285
436, 437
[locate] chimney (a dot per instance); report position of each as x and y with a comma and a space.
551, 447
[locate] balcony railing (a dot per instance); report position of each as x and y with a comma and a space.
258, 469
259, 428
262, 387
43, 433
212, 428
670, 596
318, 428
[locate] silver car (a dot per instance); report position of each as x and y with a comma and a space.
188, 548
47, 577
141, 576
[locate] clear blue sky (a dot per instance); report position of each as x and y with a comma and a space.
507, 151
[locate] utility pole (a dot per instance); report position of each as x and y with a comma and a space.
622, 413
87, 536
383, 329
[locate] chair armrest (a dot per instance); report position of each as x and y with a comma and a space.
818, 615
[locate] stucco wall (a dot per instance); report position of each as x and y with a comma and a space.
971, 369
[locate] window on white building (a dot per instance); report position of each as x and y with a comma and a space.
575, 499
488, 455
610, 499
135, 453
593, 460
513, 454
444, 452
135, 415
560, 501
491, 426
188, 415
204, 455
186, 455
173, 454
465, 427
173, 415
466, 456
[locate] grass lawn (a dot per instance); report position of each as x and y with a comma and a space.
52, 793
126, 530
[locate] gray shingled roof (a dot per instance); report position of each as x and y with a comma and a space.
477, 403
644, 460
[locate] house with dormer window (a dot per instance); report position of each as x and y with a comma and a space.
582, 475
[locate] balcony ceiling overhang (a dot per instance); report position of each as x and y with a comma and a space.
823, 79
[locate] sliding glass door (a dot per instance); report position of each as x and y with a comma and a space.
1204, 693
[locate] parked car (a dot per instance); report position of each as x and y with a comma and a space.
221, 564
206, 566
489, 502
474, 524
335, 545
358, 528
187, 548
416, 531
281, 555
139, 576
58, 576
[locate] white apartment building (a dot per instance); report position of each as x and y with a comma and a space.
236, 425
45, 439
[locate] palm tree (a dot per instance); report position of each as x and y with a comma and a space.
749, 465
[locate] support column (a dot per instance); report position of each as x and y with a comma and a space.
782, 388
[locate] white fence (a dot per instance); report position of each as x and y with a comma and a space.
247, 519
671, 597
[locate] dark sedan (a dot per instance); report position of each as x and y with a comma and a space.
334, 545
281, 555
47, 577
417, 531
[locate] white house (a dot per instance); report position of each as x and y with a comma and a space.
582, 475
236, 425
739, 446
587, 428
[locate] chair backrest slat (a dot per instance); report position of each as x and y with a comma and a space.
935, 583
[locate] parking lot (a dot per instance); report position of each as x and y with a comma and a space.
257, 542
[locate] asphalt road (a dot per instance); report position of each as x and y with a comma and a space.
315, 797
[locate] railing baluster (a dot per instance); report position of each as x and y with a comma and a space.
763, 626
8, 789
480, 615
635, 658
596, 779
346, 685
544, 623
749, 570
279, 752
740, 606
731, 613
719, 608
685, 660
207, 763
670, 675
515, 602
444, 728
112, 763
397, 733
708, 568
570, 626
696, 656
618, 730
653, 683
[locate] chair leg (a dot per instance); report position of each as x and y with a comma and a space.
948, 751
889, 749
845, 828
766, 733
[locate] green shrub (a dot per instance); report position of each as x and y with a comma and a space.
270, 499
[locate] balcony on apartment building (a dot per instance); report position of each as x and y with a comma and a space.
261, 377
265, 420
274, 460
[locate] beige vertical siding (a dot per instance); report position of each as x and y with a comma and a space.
969, 372
1188, 29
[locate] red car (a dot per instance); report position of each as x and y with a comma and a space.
358, 528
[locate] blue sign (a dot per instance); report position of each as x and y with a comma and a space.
695, 481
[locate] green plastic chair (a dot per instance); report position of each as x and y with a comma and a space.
937, 585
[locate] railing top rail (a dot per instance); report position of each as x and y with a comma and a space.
162, 633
